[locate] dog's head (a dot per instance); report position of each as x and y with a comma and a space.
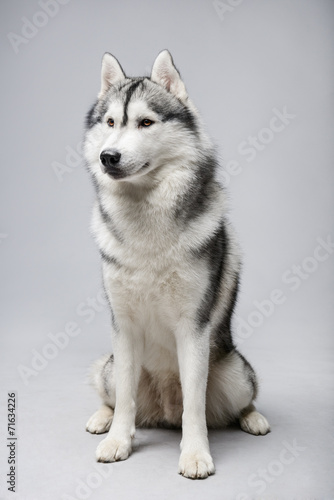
138, 125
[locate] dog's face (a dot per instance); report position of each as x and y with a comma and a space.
138, 124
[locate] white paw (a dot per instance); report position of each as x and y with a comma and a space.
112, 450
101, 421
255, 423
196, 465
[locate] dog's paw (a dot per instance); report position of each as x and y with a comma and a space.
255, 423
113, 450
196, 465
101, 421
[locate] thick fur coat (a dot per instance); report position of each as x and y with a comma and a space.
170, 270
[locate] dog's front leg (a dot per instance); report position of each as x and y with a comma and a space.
127, 361
193, 357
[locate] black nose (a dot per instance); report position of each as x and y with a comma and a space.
109, 159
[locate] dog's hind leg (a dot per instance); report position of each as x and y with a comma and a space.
103, 379
100, 421
253, 422
232, 388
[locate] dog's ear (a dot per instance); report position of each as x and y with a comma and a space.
164, 73
111, 73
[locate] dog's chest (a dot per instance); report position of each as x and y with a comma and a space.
149, 292
154, 280
144, 241
153, 285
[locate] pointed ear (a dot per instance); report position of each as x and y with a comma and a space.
111, 73
164, 73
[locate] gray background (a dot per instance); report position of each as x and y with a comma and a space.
258, 55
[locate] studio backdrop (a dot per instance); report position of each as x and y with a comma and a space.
261, 74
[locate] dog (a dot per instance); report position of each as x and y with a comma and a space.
170, 263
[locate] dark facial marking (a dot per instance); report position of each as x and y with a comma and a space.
170, 108
129, 93
96, 113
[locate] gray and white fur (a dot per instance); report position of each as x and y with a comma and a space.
171, 268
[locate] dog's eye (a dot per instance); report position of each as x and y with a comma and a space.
110, 122
146, 122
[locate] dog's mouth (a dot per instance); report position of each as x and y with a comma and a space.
118, 173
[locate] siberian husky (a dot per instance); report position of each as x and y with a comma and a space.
170, 270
